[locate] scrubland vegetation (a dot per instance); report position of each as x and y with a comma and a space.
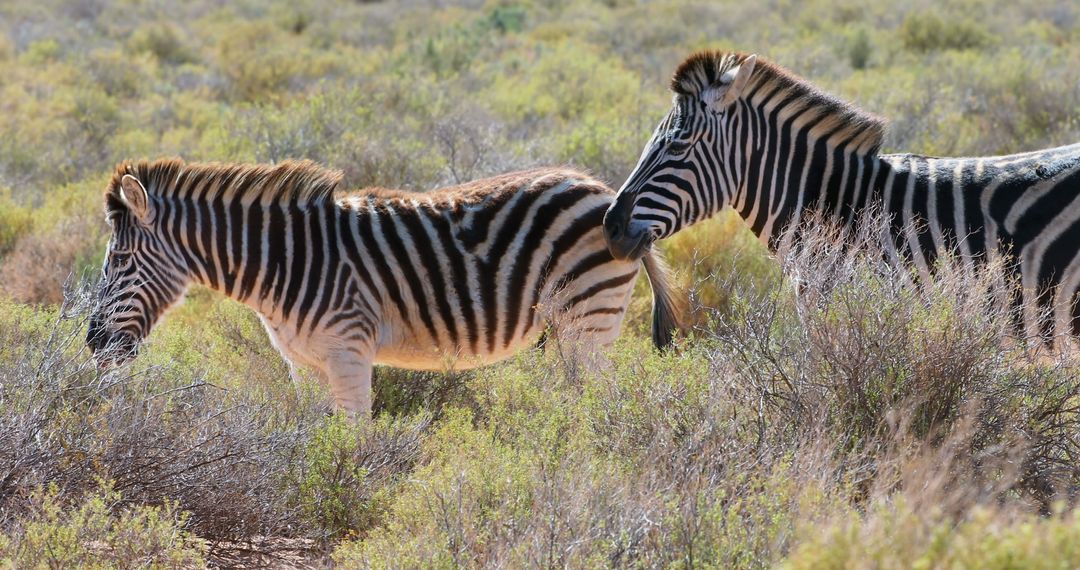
823, 412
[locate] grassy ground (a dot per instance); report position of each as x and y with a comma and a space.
860, 423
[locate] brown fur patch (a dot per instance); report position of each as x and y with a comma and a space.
538, 178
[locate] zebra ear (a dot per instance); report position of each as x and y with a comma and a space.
134, 196
733, 82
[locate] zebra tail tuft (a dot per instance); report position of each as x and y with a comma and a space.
669, 305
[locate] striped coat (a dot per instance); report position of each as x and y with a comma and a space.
456, 277
748, 134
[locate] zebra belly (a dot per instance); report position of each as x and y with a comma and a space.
412, 354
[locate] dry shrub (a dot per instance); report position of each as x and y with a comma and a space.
474, 144
236, 460
36, 268
348, 468
158, 438
637, 466
871, 350
850, 386
938, 506
97, 532
467, 141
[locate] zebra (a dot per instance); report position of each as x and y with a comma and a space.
746, 133
456, 277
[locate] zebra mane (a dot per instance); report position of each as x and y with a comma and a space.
298, 181
703, 69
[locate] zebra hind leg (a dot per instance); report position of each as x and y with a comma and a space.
581, 340
349, 376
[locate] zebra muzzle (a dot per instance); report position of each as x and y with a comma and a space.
626, 238
111, 350
624, 241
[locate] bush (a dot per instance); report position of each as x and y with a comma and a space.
160, 433
96, 532
860, 50
898, 537
456, 505
164, 41
15, 221
928, 31
718, 259
38, 266
350, 471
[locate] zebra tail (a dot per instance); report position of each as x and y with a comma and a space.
668, 302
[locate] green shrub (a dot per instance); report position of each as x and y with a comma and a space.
453, 47
507, 19
262, 62
860, 50
96, 532
164, 41
350, 472
41, 51
719, 258
469, 484
586, 84
15, 221
929, 31
899, 537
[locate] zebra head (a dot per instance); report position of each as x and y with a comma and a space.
140, 278
689, 169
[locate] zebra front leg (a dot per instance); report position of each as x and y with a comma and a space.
349, 375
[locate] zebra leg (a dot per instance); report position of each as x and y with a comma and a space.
582, 337
594, 357
349, 375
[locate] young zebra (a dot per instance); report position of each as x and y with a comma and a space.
452, 277
746, 133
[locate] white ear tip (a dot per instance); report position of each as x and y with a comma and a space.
128, 181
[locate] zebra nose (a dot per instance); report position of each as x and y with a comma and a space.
623, 243
613, 228
93, 332
615, 221
96, 338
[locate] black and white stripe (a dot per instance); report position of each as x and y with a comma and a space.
747, 134
456, 277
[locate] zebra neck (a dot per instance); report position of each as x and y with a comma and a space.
258, 254
794, 174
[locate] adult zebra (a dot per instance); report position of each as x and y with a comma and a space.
746, 133
453, 277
